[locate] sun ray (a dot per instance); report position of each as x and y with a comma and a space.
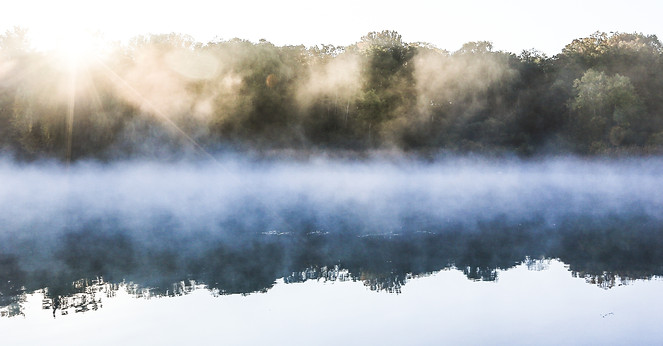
73, 54
71, 107
155, 110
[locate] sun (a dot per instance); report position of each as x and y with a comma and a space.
76, 48
71, 46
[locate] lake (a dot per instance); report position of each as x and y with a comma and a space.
460, 251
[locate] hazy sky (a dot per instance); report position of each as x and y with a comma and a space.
512, 25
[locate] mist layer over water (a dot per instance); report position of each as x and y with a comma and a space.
235, 197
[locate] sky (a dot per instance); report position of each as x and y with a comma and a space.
512, 25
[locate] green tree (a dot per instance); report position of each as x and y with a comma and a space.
476, 47
388, 88
606, 110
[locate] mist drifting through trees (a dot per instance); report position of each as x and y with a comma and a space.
167, 95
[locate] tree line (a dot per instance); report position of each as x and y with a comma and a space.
166, 94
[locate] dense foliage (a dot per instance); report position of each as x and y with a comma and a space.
165, 94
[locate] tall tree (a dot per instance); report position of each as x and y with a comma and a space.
605, 111
388, 83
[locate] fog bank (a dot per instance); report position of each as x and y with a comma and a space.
234, 197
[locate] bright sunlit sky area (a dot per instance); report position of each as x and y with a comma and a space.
512, 25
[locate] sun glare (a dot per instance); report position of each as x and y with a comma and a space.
71, 46
76, 48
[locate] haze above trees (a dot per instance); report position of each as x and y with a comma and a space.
161, 95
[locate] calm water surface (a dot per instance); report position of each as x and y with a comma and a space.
462, 252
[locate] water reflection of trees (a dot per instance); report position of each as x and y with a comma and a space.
87, 295
11, 290
69, 268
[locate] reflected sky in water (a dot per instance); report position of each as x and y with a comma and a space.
542, 304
